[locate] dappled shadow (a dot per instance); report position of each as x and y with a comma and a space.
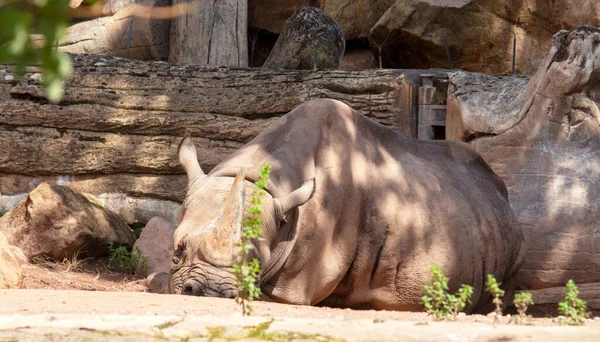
386, 207
550, 161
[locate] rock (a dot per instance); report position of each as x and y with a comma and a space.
18, 253
158, 282
137, 211
10, 267
545, 145
479, 34
156, 243
358, 59
58, 222
309, 39
355, 18
472, 94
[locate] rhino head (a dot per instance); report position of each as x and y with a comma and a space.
206, 241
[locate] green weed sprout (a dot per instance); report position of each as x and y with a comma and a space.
522, 301
121, 259
441, 304
572, 308
493, 287
248, 271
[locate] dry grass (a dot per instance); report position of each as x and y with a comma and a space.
68, 264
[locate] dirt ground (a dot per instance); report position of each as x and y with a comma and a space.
85, 301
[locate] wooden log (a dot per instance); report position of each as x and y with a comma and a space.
46, 151
210, 33
167, 187
589, 292
119, 124
148, 39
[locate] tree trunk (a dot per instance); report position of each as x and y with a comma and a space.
210, 32
119, 124
138, 32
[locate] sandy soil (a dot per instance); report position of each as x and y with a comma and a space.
87, 301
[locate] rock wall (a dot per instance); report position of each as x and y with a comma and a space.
479, 33
115, 134
542, 136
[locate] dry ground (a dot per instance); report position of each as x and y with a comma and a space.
85, 301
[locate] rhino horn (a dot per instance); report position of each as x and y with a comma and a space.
296, 198
221, 245
188, 157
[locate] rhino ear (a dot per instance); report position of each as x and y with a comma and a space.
188, 157
295, 199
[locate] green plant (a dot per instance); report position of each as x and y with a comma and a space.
247, 272
121, 259
441, 304
19, 19
572, 308
522, 300
493, 287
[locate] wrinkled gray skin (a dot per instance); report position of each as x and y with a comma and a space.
355, 215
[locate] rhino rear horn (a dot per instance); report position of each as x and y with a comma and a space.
221, 245
295, 199
188, 157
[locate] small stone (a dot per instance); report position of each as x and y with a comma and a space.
37, 77
100, 64
378, 320
9, 77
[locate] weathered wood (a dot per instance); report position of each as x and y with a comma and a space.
120, 122
150, 33
167, 187
589, 292
125, 116
47, 151
210, 33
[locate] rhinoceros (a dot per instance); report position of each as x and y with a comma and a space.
354, 215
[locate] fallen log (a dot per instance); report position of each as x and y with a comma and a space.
117, 129
589, 292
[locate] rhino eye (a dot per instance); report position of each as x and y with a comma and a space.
177, 253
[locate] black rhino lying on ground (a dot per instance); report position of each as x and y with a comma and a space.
354, 216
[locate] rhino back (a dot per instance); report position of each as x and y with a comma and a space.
386, 207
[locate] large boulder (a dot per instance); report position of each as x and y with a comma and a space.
479, 33
10, 267
355, 18
58, 222
156, 244
543, 138
309, 39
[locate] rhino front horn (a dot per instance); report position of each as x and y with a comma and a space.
221, 245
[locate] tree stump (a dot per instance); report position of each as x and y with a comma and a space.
210, 33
